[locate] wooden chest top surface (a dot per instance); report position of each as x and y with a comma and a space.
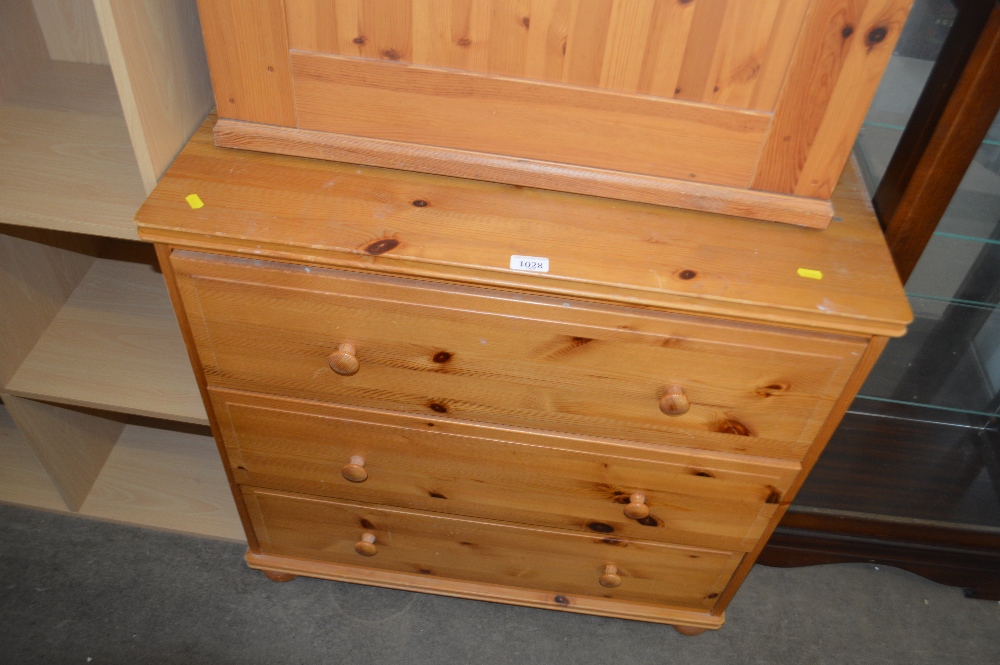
466, 231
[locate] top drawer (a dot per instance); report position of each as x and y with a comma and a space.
507, 358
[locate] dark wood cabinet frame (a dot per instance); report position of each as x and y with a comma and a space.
951, 118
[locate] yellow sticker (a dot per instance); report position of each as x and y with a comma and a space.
194, 201
810, 274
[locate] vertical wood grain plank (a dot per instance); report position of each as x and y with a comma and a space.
785, 35
695, 80
806, 93
586, 42
348, 22
387, 29
832, 78
668, 36
312, 25
71, 31
470, 34
875, 38
628, 33
71, 443
22, 45
432, 42
746, 34
545, 55
161, 75
509, 29
247, 46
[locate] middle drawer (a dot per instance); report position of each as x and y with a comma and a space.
691, 498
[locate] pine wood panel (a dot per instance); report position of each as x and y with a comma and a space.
830, 84
72, 444
745, 37
71, 30
114, 345
558, 562
584, 96
267, 205
624, 45
247, 48
530, 362
484, 591
502, 474
790, 19
481, 113
668, 37
699, 53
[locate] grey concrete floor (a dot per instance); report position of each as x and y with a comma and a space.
75, 590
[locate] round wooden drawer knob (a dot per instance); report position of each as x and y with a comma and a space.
366, 546
343, 361
610, 578
674, 402
355, 470
637, 508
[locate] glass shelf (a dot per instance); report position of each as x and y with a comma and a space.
941, 272
974, 212
949, 360
920, 443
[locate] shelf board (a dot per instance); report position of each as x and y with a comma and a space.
115, 345
66, 160
155, 477
166, 479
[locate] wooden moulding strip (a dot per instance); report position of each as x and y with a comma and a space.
768, 206
482, 591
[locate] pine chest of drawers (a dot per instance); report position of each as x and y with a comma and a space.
397, 405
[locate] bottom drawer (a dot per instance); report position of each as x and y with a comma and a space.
316, 529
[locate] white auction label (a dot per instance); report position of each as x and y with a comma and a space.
529, 263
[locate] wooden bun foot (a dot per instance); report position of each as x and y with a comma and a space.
690, 631
278, 577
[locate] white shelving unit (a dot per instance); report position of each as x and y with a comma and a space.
101, 414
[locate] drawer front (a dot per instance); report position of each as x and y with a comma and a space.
404, 541
698, 499
511, 359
